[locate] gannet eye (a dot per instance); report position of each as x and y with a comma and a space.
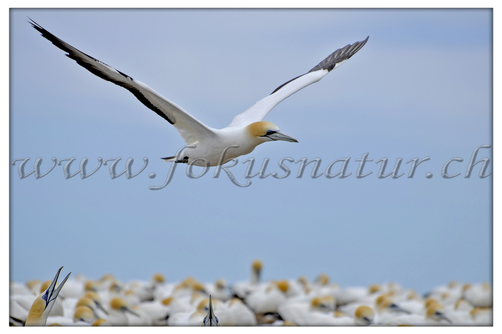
269, 132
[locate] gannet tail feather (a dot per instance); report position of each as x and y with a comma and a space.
258, 111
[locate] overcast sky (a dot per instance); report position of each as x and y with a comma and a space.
421, 87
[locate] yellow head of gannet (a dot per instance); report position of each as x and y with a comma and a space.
322, 279
429, 302
288, 323
42, 306
158, 278
263, 131
107, 277
198, 287
115, 287
364, 316
384, 303
86, 301
221, 284
97, 300
256, 267
303, 280
435, 312
91, 286
339, 314
167, 301
374, 288
101, 322
283, 285
85, 314
323, 304
210, 320
119, 304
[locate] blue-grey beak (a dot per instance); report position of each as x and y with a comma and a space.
279, 135
52, 292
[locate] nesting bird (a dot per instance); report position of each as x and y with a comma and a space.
190, 302
208, 146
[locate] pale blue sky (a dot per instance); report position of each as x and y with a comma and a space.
422, 86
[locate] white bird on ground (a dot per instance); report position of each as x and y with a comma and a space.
243, 288
305, 312
208, 146
267, 298
117, 313
42, 306
235, 313
434, 316
479, 295
219, 289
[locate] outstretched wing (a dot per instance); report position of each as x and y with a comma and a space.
261, 108
190, 129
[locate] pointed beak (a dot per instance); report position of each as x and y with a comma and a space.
127, 309
279, 135
398, 309
442, 316
210, 314
98, 304
52, 292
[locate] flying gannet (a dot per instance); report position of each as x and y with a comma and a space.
207, 146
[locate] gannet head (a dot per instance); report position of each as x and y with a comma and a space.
42, 306
221, 284
435, 312
107, 278
266, 131
101, 322
91, 286
119, 304
463, 305
384, 303
256, 267
323, 304
158, 279
374, 288
88, 302
322, 279
198, 287
167, 301
429, 302
85, 314
97, 300
283, 285
210, 319
364, 316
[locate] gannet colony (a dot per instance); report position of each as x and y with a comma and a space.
80, 301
